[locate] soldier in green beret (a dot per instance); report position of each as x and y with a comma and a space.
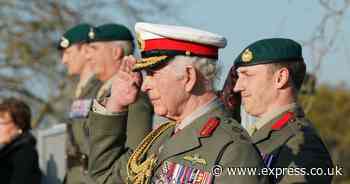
74, 46
270, 74
84, 48
111, 43
200, 143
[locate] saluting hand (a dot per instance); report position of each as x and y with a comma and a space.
125, 86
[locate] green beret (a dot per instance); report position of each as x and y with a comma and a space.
78, 34
85, 33
273, 50
112, 32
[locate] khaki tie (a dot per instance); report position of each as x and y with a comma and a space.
252, 129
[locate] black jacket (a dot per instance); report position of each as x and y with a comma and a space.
19, 161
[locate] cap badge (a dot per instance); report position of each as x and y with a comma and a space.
64, 42
247, 56
91, 33
140, 42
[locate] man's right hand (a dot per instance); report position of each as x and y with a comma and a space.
125, 86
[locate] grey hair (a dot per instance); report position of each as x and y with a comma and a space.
128, 46
206, 66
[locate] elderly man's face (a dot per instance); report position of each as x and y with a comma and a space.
256, 86
166, 91
74, 59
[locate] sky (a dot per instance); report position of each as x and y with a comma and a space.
243, 22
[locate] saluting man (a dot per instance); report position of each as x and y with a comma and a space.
179, 65
74, 46
270, 74
111, 44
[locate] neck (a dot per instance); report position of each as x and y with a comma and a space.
281, 101
86, 73
192, 104
110, 71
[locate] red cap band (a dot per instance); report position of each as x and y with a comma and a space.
180, 45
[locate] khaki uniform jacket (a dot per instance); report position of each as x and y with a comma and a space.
188, 156
76, 142
288, 140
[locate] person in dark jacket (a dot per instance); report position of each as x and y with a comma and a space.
18, 155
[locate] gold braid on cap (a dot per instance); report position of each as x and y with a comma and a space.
140, 172
149, 61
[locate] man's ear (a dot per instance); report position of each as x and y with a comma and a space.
117, 53
281, 78
190, 78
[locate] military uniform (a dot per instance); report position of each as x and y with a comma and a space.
187, 156
284, 136
77, 145
286, 139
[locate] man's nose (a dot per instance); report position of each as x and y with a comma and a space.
64, 60
145, 83
238, 86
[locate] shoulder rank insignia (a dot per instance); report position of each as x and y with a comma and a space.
195, 159
283, 121
209, 127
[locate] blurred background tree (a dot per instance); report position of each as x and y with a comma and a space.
325, 105
29, 62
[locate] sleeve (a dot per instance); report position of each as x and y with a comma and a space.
100, 109
241, 163
140, 119
303, 152
26, 166
108, 155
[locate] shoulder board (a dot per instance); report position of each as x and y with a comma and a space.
209, 127
283, 121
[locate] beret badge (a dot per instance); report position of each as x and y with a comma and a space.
91, 34
64, 42
247, 56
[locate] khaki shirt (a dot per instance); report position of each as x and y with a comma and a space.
268, 117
